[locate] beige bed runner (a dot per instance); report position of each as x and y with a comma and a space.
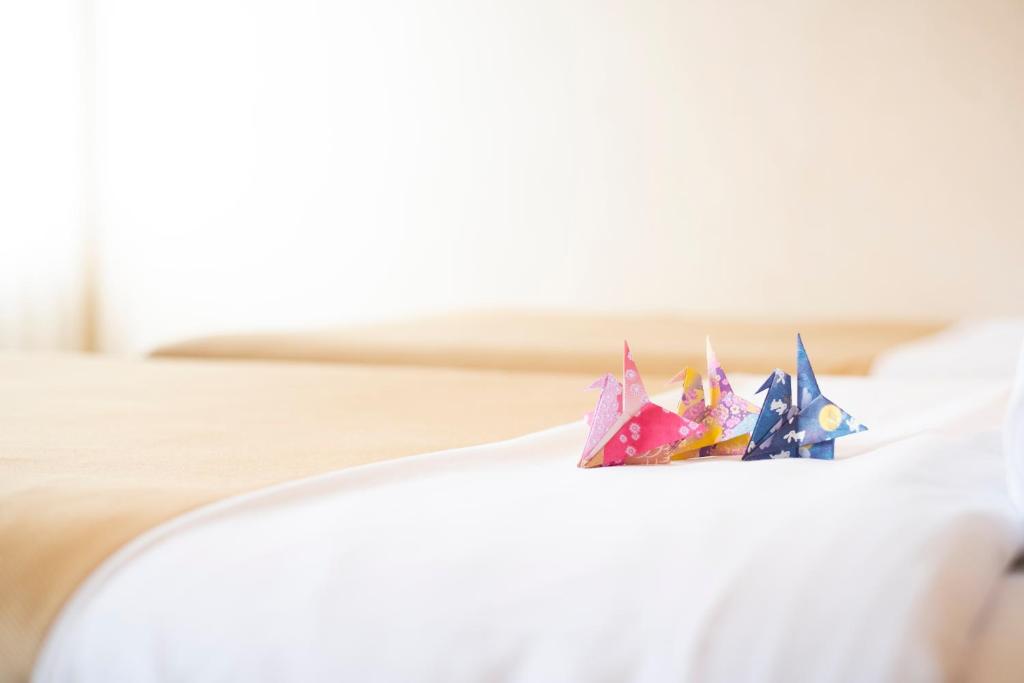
557, 342
94, 451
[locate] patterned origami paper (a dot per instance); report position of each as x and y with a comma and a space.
626, 428
806, 430
728, 418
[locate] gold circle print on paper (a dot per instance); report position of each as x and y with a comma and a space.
830, 417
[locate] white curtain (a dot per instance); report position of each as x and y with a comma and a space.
44, 205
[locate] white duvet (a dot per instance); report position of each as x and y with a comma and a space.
506, 562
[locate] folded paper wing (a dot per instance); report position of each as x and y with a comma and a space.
626, 428
777, 407
604, 416
807, 430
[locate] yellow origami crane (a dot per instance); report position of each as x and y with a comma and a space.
728, 418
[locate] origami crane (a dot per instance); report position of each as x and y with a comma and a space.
728, 418
806, 430
626, 428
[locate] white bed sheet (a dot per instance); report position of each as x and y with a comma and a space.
505, 562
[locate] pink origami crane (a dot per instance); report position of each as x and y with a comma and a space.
627, 429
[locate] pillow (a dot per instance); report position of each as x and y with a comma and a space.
971, 349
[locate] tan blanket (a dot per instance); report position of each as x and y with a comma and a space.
95, 451
557, 342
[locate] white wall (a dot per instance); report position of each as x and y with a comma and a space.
271, 164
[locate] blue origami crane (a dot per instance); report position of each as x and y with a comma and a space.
806, 430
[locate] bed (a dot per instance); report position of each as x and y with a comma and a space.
183, 520
94, 451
